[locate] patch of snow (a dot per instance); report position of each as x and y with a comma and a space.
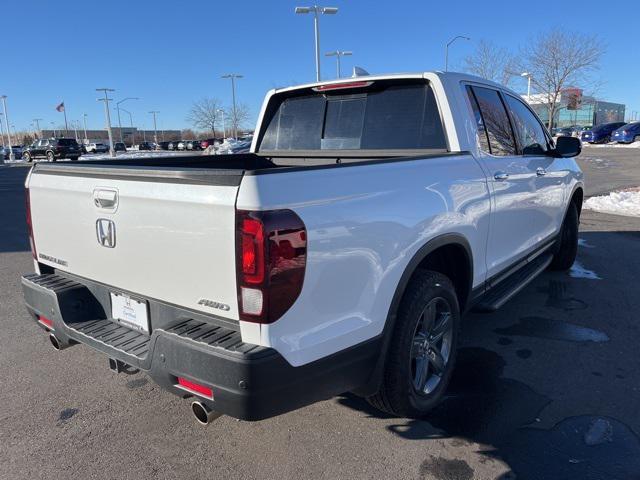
578, 271
612, 145
626, 202
135, 154
583, 243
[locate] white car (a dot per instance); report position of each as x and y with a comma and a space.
338, 255
97, 148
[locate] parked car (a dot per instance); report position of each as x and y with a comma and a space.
564, 132
329, 259
97, 148
182, 145
628, 133
119, 147
52, 149
145, 146
601, 133
5, 152
163, 145
194, 145
210, 141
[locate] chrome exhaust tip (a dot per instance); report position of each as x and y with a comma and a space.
204, 415
57, 344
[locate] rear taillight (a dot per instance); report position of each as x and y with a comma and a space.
29, 223
271, 260
204, 144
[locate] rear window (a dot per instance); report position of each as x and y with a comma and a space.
394, 117
66, 141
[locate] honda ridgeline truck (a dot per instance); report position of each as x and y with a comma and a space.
338, 255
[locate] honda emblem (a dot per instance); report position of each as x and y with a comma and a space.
106, 232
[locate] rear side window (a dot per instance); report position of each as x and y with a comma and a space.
527, 127
65, 142
397, 117
496, 122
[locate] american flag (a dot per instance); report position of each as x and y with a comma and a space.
60, 107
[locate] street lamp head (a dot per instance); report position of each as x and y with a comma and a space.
332, 54
329, 10
347, 53
525, 74
303, 9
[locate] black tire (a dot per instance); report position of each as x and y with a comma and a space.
567, 247
51, 157
26, 157
398, 394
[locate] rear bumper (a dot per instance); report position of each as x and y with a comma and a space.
249, 382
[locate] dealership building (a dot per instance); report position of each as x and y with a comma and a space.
574, 108
130, 135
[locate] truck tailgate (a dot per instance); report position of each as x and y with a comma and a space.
170, 239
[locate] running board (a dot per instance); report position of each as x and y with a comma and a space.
502, 292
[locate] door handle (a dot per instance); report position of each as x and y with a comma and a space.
105, 198
501, 175
541, 172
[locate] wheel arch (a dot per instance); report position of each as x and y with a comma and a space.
433, 255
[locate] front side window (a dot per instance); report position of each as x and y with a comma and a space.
496, 122
377, 117
528, 130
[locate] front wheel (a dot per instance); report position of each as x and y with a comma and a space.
51, 157
567, 247
422, 351
26, 157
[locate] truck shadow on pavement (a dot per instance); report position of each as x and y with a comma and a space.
502, 417
13, 226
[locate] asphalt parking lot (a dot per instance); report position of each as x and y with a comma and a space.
546, 388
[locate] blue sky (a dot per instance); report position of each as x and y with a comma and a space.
172, 53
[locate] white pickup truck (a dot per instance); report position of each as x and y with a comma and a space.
339, 255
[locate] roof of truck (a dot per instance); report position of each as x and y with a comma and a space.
445, 77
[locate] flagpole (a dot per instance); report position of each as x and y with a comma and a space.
64, 110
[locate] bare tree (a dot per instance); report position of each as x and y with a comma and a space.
242, 116
557, 60
491, 62
204, 113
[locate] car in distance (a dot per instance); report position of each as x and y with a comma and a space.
5, 152
601, 133
194, 145
628, 133
163, 145
119, 147
328, 259
207, 142
97, 148
52, 149
145, 146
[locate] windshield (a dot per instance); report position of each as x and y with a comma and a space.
394, 117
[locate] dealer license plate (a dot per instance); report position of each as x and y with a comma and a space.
129, 311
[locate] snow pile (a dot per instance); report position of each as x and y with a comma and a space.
626, 202
135, 154
611, 145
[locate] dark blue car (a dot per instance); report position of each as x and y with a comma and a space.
600, 133
627, 134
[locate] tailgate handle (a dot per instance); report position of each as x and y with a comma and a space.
103, 198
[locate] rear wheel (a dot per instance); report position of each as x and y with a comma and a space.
51, 157
567, 247
26, 157
422, 350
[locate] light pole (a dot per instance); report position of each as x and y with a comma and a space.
37, 122
224, 128
316, 10
84, 121
133, 135
234, 124
118, 109
155, 126
446, 50
6, 119
338, 54
106, 99
2, 128
528, 75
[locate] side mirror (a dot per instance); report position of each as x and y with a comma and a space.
567, 147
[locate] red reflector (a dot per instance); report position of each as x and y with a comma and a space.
339, 86
45, 321
195, 387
